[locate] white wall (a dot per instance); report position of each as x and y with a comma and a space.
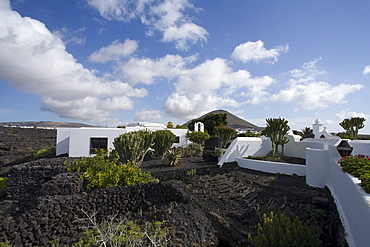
245, 146
79, 140
76, 141
272, 167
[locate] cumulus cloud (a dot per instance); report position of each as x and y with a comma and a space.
148, 115
307, 92
166, 16
349, 114
147, 70
114, 51
366, 70
255, 51
35, 61
211, 85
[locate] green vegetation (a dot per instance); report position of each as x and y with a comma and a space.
103, 170
45, 153
124, 233
210, 122
163, 140
170, 125
280, 230
358, 166
7, 243
219, 152
192, 150
276, 129
226, 134
133, 146
197, 137
180, 127
352, 126
3, 187
174, 157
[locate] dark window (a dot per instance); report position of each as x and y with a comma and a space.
98, 143
177, 139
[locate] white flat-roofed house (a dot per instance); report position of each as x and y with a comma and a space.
84, 142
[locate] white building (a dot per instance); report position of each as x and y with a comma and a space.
84, 142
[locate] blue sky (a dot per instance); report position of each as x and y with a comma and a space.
113, 62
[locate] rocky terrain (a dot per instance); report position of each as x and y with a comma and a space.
200, 203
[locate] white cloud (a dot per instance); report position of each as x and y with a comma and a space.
148, 115
165, 16
307, 92
68, 36
349, 114
146, 70
35, 61
255, 51
366, 70
114, 51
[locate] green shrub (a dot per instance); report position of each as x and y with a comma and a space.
193, 150
7, 243
125, 233
45, 153
197, 136
103, 170
133, 146
358, 166
163, 140
3, 186
174, 157
280, 230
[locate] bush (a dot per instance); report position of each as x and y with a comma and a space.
103, 170
114, 232
193, 150
133, 146
45, 153
163, 140
197, 136
358, 166
174, 157
3, 186
280, 230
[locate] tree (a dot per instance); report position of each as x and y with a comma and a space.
352, 126
210, 121
307, 132
276, 129
197, 136
169, 125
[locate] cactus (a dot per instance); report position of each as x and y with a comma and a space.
133, 146
276, 129
225, 134
352, 126
163, 140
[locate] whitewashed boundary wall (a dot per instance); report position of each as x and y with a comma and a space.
352, 201
322, 170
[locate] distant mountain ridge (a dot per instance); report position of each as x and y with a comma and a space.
232, 121
44, 124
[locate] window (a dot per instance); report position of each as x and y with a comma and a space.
98, 143
177, 139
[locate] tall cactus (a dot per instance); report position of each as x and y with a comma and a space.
276, 129
163, 140
352, 126
225, 134
133, 146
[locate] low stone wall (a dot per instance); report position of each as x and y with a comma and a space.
272, 167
